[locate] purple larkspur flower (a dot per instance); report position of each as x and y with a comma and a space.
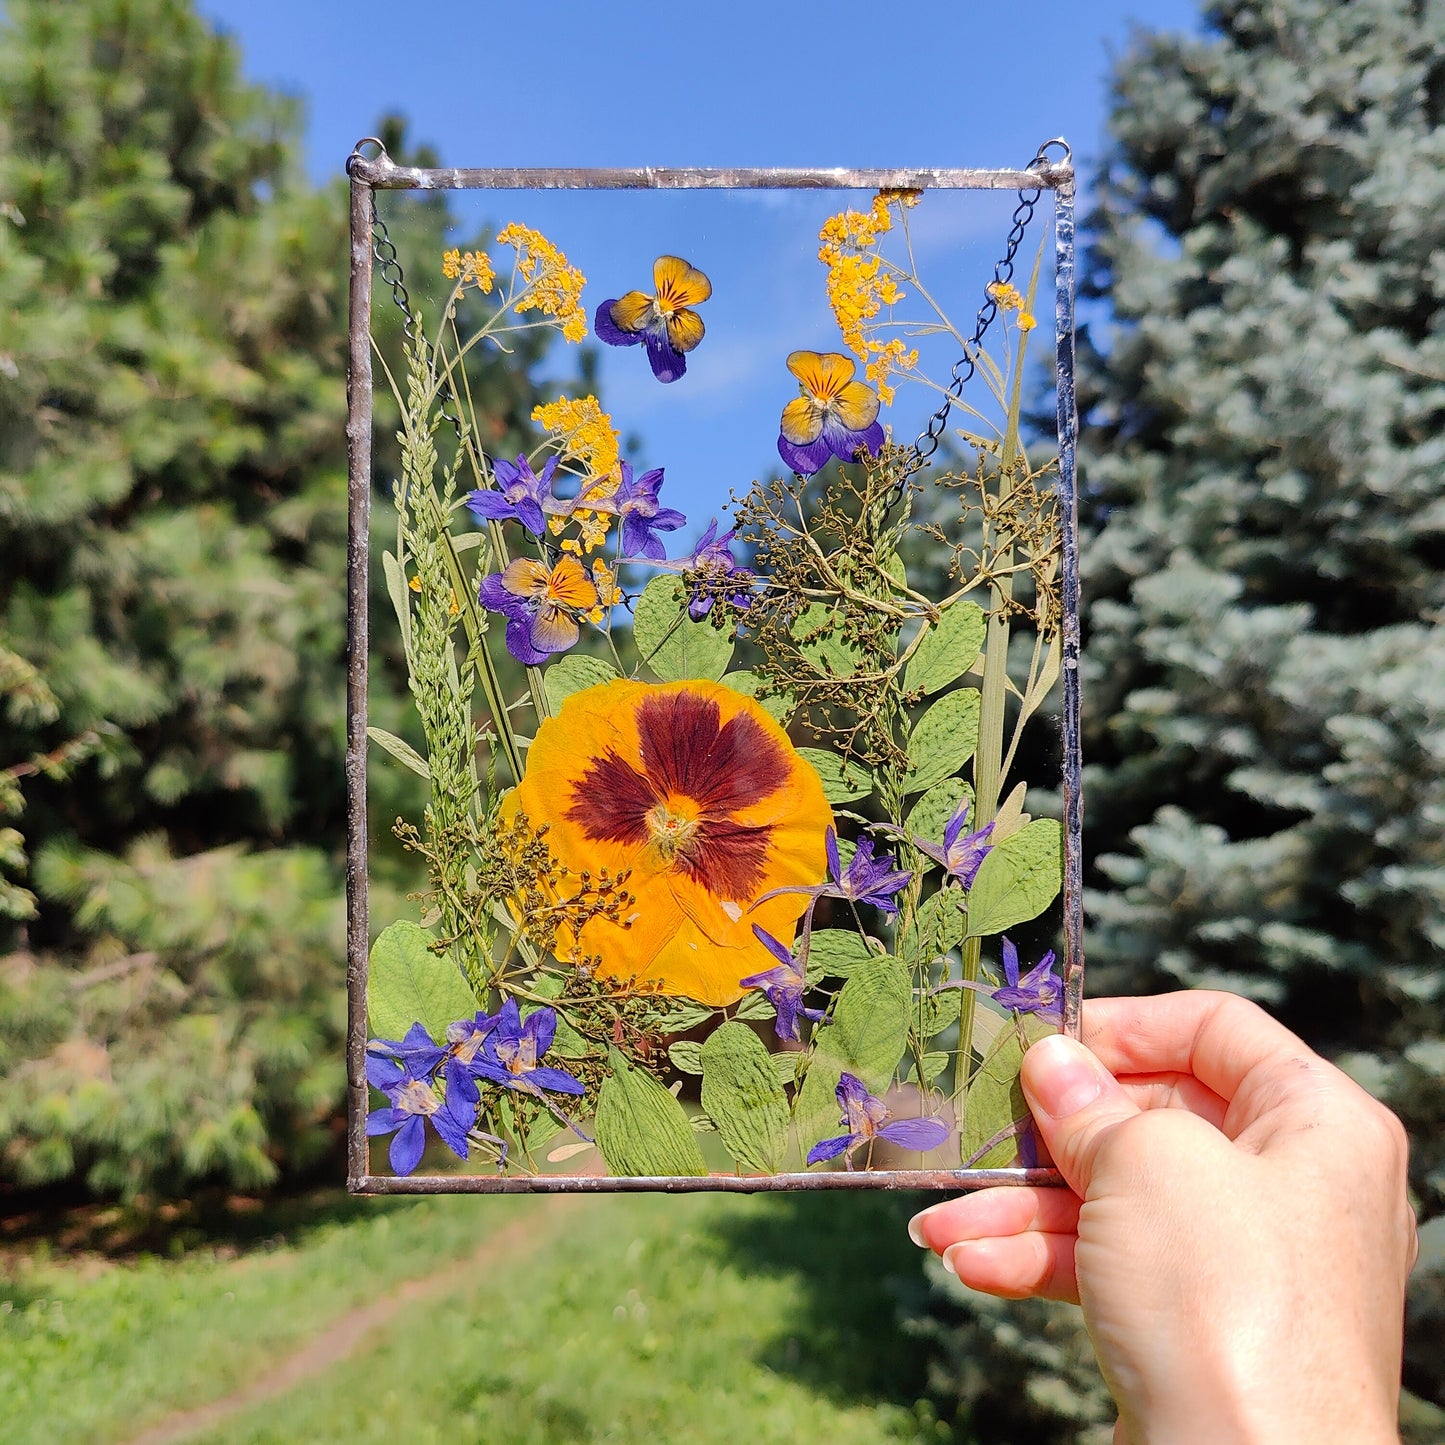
1040, 991
712, 571
866, 879
413, 1100
783, 986
521, 495
643, 516
962, 853
511, 1050
866, 1117
664, 322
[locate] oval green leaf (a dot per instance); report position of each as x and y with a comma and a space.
574, 674
1018, 879
744, 1098
822, 638
642, 1130
401, 750
943, 739
949, 648
995, 1100
838, 952
778, 705
407, 983
670, 643
930, 814
844, 781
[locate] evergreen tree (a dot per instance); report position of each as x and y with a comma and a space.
172, 607
1262, 472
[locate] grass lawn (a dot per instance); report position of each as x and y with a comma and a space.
610, 1319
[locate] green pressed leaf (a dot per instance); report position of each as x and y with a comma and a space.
401, 750
838, 952
995, 1100
949, 648
929, 815
574, 674
786, 1065
865, 1037
755, 1005
937, 927
641, 1128
686, 1056
778, 705
407, 983
1018, 879
822, 637
844, 781
685, 1016
396, 589
670, 643
942, 740
933, 1065
935, 1012
744, 1098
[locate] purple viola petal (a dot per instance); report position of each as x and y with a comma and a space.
382, 1071
381, 1121
490, 506
457, 1114
805, 460
699, 606
609, 331
830, 849
786, 1023
668, 519
668, 364
484, 1066
954, 826
407, 1145
1028, 1147
555, 1080
493, 595
520, 644
509, 1021
845, 444
829, 1148
919, 1134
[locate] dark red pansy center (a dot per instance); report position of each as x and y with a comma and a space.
697, 774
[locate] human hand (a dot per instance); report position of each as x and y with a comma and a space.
1236, 1226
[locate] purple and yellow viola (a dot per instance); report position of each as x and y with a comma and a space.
664, 322
832, 416
541, 605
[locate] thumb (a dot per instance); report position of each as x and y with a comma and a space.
1075, 1102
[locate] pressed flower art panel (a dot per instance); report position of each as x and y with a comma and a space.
743, 846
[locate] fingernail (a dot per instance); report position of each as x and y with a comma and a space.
948, 1263
1061, 1076
915, 1226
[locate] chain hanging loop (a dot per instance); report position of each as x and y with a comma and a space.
967, 364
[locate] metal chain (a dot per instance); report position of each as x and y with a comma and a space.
967, 364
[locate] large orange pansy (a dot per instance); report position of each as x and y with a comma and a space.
697, 791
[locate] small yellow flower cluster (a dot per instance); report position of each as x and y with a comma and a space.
554, 286
471, 268
1010, 298
609, 594
454, 608
583, 433
859, 286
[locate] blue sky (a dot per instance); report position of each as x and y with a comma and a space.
565, 83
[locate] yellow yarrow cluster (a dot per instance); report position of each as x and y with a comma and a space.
859, 286
554, 286
583, 433
471, 268
609, 594
1010, 298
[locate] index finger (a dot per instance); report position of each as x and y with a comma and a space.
1218, 1038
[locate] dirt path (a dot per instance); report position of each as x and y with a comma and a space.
344, 1337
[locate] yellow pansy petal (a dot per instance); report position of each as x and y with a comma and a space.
679, 284
824, 375
631, 312
553, 630
802, 422
570, 585
685, 330
856, 406
525, 578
